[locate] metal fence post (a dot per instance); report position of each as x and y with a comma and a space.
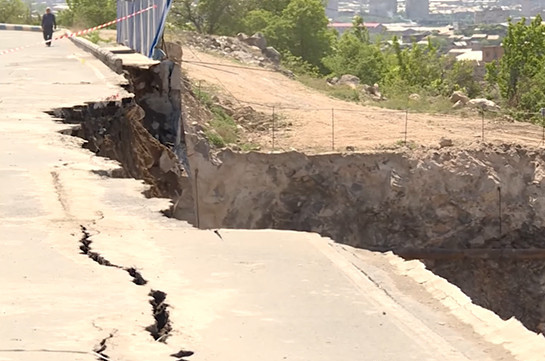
197, 215
542, 111
406, 123
332, 129
499, 206
482, 125
273, 126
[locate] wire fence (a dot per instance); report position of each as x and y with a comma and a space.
288, 126
405, 128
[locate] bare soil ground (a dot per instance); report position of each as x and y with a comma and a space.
309, 114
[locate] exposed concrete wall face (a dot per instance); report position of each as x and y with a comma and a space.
145, 134
113, 129
445, 198
158, 92
510, 288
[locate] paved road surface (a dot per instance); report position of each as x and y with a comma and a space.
249, 295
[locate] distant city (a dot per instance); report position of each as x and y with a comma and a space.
38, 7
434, 11
470, 30
429, 12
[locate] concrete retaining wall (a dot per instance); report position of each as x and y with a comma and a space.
113, 61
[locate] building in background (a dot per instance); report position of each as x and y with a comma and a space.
142, 32
492, 52
373, 28
332, 9
383, 8
531, 8
494, 15
417, 9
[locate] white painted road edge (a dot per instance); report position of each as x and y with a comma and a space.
511, 334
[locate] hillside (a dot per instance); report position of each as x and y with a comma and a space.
309, 113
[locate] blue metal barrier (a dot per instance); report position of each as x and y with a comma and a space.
142, 33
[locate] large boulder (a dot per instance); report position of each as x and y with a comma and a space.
273, 54
258, 40
287, 73
484, 104
242, 37
350, 80
445, 142
458, 105
243, 57
372, 91
332, 81
458, 96
174, 51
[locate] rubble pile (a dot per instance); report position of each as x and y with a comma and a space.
251, 50
366, 91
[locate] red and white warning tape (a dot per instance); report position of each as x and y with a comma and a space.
81, 32
2, 52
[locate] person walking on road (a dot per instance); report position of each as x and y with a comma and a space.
48, 23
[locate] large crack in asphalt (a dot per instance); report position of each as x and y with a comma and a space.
102, 346
86, 249
160, 330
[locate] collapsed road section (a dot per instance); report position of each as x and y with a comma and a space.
474, 215
469, 214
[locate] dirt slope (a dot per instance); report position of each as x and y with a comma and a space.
362, 127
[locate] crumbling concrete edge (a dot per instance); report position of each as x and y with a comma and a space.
511, 334
113, 61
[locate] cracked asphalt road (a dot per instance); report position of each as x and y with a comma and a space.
245, 296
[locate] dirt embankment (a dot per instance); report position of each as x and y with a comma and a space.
363, 128
114, 129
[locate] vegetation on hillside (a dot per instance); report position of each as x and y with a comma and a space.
298, 29
520, 74
87, 13
80, 13
16, 12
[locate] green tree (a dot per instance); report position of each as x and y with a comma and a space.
524, 48
359, 30
258, 21
13, 11
531, 93
302, 30
461, 76
274, 7
87, 13
423, 66
401, 68
420, 67
354, 54
211, 16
